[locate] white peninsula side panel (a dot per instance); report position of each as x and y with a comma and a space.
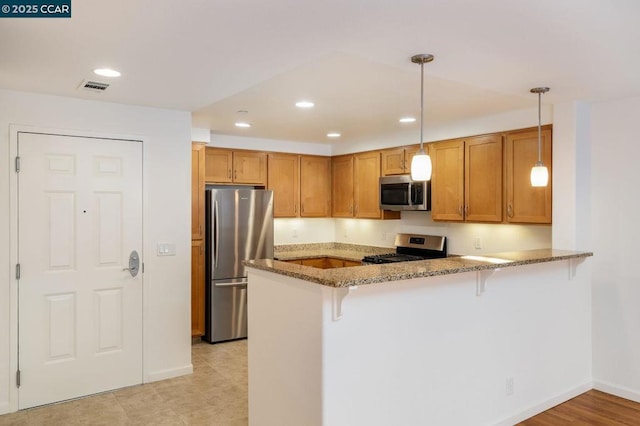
421, 351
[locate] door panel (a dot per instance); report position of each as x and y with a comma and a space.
80, 312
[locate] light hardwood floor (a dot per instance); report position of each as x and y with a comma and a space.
216, 394
590, 408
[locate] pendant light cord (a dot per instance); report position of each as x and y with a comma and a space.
539, 128
421, 104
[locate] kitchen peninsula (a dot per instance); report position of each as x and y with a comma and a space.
455, 341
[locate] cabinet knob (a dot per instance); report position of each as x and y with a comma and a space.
229, 174
510, 210
302, 208
235, 174
460, 210
466, 210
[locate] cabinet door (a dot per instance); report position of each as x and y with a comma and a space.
447, 180
284, 180
393, 162
218, 165
315, 263
315, 186
250, 167
197, 191
197, 288
483, 178
527, 204
342, 186
366, 185
409, 152
332, 262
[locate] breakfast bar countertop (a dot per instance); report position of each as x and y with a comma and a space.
369, 274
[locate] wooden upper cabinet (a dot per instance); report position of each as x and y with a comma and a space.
447, 180
315, 186
284, 180
366, 185
527, 204
397, 161
342, 186
197, 191
218, 165
229, 166
483, 178
250, 167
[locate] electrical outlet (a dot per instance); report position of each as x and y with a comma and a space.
509, 386
477, 243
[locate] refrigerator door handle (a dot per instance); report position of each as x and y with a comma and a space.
238, 284
216, 232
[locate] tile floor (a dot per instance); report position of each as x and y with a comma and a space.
216, 394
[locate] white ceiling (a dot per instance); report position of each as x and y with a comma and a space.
352, 57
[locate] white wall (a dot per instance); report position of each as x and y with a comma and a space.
167, 195
615, 233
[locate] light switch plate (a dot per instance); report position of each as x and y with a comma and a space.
166, 249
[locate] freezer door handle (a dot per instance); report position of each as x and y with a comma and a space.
238, 284
216, 233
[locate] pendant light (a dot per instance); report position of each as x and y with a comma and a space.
421, 162
539, 172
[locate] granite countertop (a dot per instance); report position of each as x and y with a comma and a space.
342, 251
369, 274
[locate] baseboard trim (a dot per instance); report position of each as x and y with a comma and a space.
545, 405
5, 408
168, 374
621, 391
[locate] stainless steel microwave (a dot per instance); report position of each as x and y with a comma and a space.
402, 193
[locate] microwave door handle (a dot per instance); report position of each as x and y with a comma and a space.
410, 194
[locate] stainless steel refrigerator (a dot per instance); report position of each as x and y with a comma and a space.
239, 227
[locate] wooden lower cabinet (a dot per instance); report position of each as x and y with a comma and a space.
197, 288
325, 262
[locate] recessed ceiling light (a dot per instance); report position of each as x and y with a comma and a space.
243, 124
305, 104
107, 72
333, 134
407, 119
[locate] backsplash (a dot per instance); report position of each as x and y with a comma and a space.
463, 238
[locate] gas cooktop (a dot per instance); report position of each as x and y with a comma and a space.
412, 247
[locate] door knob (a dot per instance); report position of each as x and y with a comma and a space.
134, 264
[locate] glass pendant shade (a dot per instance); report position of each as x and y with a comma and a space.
421, 166
539, 175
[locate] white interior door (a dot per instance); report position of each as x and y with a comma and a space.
80, 313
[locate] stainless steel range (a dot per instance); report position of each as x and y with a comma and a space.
410, 247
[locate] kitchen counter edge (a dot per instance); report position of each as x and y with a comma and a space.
370, 274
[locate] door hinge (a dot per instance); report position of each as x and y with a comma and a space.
17, 164
17, 271
18, 378
143, 267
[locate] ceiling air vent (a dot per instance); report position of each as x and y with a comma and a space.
94, 86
